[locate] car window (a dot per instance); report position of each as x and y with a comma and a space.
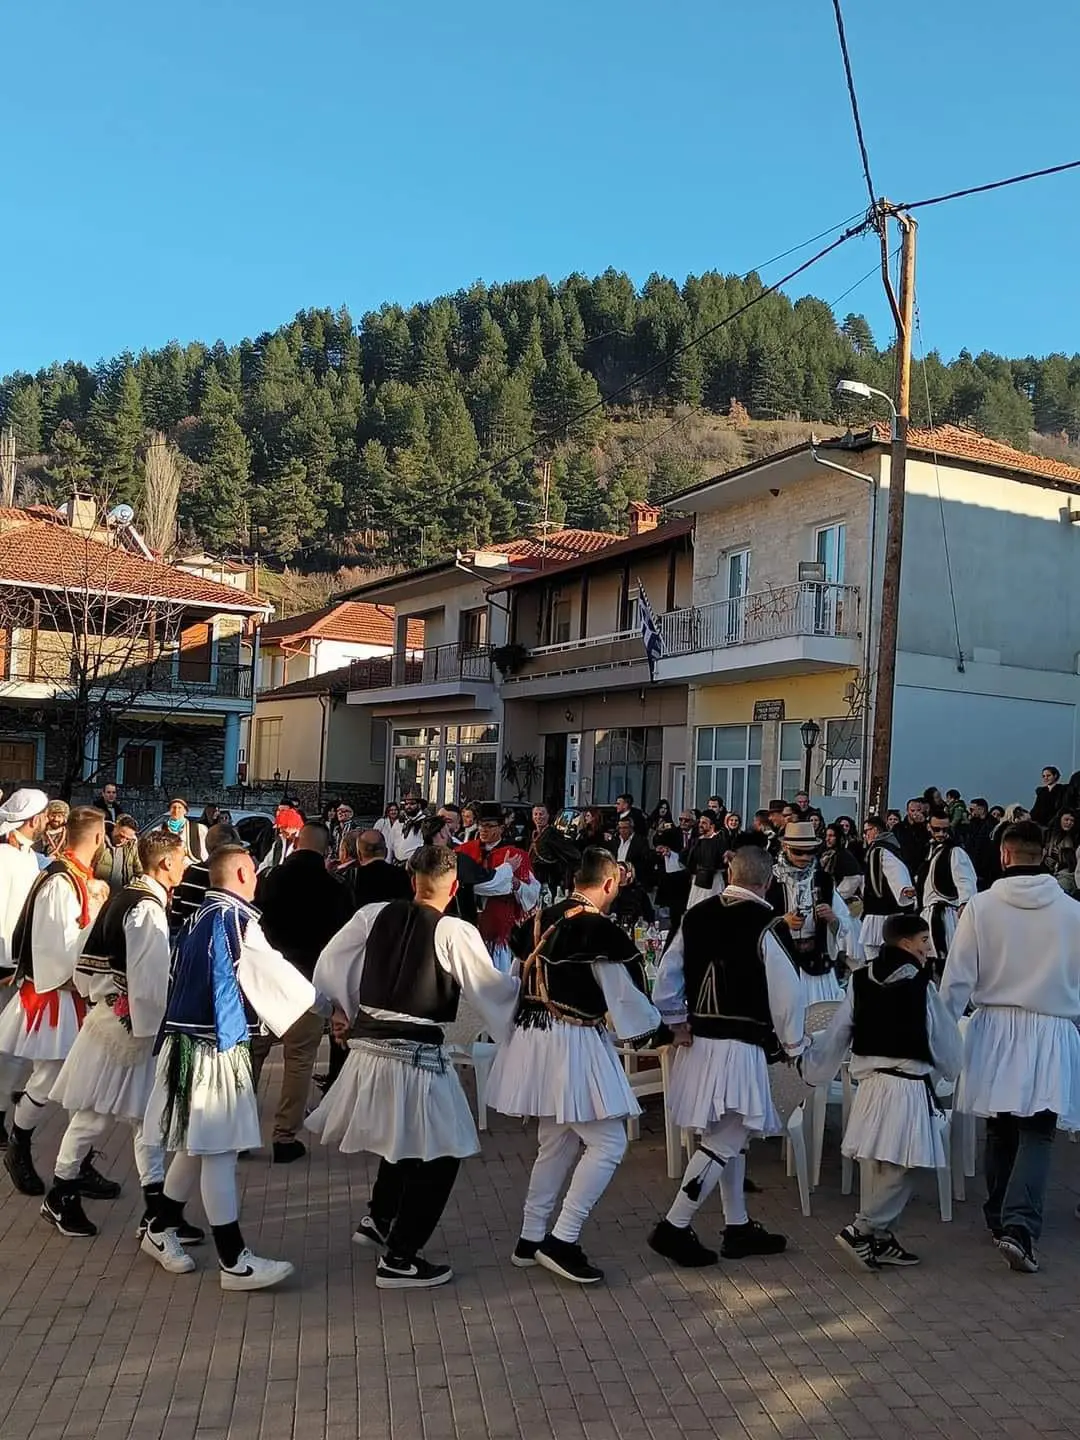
257, 833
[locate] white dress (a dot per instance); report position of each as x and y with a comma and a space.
382, 1102
713, 1078
891, 1118
224, 1111
110, 1069
57, 938
572, 1073
1016, 957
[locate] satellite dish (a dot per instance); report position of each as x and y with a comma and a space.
120, 515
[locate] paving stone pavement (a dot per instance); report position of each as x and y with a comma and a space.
98, 1343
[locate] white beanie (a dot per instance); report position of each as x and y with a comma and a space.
21, 806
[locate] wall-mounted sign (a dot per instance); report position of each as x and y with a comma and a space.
766, 710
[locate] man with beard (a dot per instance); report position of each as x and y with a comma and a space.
412, 818
913, 836
947, 882
706, 860
887, 886
816, 919
501, 912
979, 843
554, 858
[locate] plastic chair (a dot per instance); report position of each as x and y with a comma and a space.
790, 1093
468, 1044
654, 1080
819, 1017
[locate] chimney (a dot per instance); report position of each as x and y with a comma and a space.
643, 517
81, 513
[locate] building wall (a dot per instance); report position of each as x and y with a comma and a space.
301, 725
605, 590
441, 611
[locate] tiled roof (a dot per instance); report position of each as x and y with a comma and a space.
960, 443
616, 548
330, 682
50, 555
353, 621
560, 545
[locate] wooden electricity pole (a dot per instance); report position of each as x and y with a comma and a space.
885, 678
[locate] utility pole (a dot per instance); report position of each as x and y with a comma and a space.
885, 682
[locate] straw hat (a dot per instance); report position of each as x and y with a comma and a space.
800, 835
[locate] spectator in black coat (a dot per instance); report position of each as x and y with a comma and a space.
371, 879
624, 805
1049, 797
188, 895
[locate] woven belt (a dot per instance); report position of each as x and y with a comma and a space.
415, 1053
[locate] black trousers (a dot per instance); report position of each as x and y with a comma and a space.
408, 1199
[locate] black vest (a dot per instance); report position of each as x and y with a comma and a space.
939, 874
727, 992
878, 898
890, 1020
812, 957
22, 939
105, 951
402, 973
561, 986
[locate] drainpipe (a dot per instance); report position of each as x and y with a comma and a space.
874, 481
325, 701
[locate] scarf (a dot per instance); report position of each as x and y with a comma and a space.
79, 875
799, 893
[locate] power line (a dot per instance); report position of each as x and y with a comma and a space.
994, 185
854, 103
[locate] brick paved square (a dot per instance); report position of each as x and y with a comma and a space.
99, 1344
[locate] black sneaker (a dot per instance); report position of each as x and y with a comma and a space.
568, 1261
858, 1247
19, 1163
286, 1151
3, 1130
749, 1188
995, 1234
750, 1239
92, 1184
1015, 1244
889, 1251
681, 1246
62, 1208
395, 1272
524, 1256
186, 1233
371, 1234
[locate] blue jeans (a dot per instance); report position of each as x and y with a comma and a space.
1017, 1169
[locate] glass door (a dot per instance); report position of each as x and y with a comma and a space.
738, 587
829, 553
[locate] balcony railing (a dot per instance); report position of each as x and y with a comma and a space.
438, 665
226, 681
806, 609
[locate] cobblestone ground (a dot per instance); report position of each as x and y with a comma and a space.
97, 1341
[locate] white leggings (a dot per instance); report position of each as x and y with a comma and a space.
85, 1127
30, 1110
605, 1146
718, 1160
214, 1175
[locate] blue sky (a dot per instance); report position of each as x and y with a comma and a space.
205, 170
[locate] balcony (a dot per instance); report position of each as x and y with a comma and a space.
592, 663
791, 630
169, 683
441, 672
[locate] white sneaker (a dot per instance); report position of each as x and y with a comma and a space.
251, 1272
166, 1249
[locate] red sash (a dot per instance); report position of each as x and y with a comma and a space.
38, 1007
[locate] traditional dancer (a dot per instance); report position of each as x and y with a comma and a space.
395, 974
901, 1037
109, 1071
1014, 957
735, 1001
560, 1064
887, 887
500, 913
225, 979
815, 916
24, 817
42, 1026
705, 860
946, 883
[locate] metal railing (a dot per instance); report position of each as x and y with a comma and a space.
165, 676
438, 665
807, 608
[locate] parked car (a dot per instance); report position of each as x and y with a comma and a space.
255, 828
570, 819
519, 828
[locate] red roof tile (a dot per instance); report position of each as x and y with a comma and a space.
40, 553
353, 621
959, 443
330, 682
560, 545
616, 548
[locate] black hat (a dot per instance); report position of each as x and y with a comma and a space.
490, 810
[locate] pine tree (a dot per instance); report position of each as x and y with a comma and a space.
69, 462
23, 416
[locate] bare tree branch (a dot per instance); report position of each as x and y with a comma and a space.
7, 467
161, 493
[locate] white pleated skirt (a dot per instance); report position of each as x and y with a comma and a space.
820, 988
568, 1073
223, 1112
891, 1121
1019, 1063
714, 1078
392, 1108
107, 1070
42, 1041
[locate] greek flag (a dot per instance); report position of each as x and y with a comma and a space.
650, 634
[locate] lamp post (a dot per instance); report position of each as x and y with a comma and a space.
864, 392
809, 730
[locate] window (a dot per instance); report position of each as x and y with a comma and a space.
792, 760
267, 748
445, 765
729, 765
627, 760
473, 628
738, 587
828, 602
19, 760
196, 658
558, 627
138, 764
843, 758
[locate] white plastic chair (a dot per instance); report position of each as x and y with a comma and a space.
654, 1080
836, 1092
468, 1044
790, 1093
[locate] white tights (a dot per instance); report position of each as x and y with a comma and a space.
605, 1146
85, 1127
718, 1160
214, 1175
30, 1110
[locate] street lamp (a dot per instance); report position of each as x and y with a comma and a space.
863, 391
809, 730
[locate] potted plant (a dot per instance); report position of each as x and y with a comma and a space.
510, 658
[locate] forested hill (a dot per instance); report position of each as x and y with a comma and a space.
327, 441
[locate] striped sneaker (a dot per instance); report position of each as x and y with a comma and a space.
889, 1251
858, 1247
